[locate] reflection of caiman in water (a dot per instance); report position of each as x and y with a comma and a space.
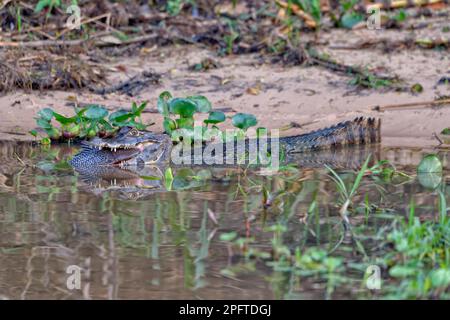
137, 159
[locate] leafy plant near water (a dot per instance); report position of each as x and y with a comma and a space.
418, 267
179, 117
87, 122
421, 261
95, 120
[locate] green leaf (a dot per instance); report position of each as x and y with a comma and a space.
402, 271
168, 175
446, 131
41, 5
183, 107
169, 125
138, 110
202, 103
46, 114
44, 124
187, 123
244, 121
46, 141
430, 163
106, 124
33, 133
95, 112
440, 278
63, 119
429, 180
215, 117
229, 236
163, 103
119, 116
350, 19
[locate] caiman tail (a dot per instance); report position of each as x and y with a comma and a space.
359, 131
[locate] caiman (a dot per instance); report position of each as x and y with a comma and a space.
132, 147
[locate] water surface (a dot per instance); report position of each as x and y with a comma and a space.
171, 241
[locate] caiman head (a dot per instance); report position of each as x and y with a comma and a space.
128, 147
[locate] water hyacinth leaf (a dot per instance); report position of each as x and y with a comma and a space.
95, 112
46, 114
215, 117
203, 105
186, 123
430, 163
63, 119
44, 124
119, 116
137, 125
33, 133
169, 125
53, 133
244, 121
46, 141
163, 103
72, 130
429, 180
106, 125
137, 111
183, 107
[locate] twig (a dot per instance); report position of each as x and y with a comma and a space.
309, 21
396, 4
438, 139
412, 104
424, 43
105, 15
44, 43
316, 59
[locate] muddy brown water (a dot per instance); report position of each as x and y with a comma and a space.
166, 244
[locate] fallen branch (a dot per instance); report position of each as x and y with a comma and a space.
397, 4
425, 43
424, 104
317, 59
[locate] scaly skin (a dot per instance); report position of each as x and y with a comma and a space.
134, 147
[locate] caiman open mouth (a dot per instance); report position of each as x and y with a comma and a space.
122, 152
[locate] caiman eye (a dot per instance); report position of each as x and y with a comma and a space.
134, 132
